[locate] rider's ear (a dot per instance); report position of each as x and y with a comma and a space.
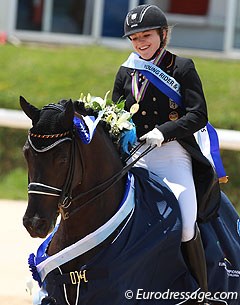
31, 111
67, 115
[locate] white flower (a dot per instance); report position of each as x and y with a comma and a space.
113, 114
123, 121
125, 125
110, 117
99, 101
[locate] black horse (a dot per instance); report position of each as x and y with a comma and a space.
119, 236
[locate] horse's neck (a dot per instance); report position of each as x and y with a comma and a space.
94, 214
85, 222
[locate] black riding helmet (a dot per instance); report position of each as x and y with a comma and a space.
143, 18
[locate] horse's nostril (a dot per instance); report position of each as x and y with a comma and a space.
27, 222
41, 225
36, 226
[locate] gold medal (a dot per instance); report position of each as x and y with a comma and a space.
173, 116
134, 108
172, 105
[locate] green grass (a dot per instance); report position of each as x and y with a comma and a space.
43, 74
47, 74
14, 185
221, 85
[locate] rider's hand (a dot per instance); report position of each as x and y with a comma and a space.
153, 137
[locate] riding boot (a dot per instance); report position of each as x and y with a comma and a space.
194, 256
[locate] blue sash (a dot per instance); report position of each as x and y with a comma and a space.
207, 141
164, 82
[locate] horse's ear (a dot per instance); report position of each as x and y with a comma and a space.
67, 115
31, 111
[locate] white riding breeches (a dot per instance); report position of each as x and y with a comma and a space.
173, 164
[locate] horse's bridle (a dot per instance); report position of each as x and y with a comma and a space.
44, 189
65, 194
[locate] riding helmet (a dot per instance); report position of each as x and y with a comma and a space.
143, 18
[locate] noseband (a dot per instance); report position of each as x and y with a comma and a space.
43, 189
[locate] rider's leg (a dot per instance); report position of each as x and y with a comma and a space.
173, 164
194, 255
178, 176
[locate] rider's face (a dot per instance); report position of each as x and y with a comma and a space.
146, 43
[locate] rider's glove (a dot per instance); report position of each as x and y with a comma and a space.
153, 137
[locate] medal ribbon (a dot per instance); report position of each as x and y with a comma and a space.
139, 93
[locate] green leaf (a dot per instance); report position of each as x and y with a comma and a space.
120, 105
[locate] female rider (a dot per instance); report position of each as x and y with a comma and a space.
162, 122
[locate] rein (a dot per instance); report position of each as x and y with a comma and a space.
65, 193
107, 183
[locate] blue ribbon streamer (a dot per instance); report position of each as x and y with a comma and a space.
177, 98
215, 151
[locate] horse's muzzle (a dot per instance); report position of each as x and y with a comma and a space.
37, 227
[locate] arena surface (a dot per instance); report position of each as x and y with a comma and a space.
16, 245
